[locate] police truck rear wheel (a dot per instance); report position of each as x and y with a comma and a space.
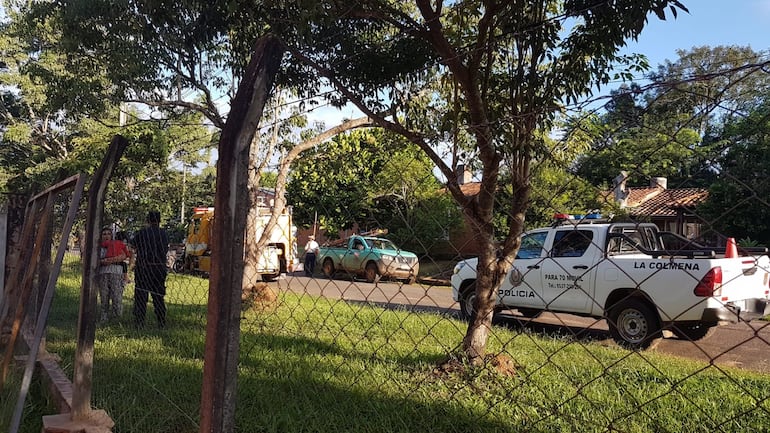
634, 325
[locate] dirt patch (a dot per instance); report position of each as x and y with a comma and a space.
258, 297
503, 365
500, 364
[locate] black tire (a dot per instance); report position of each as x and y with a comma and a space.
328, 268
371, 273
411, 280
467, 301
693, 331
178, 266
634, 324
268, 278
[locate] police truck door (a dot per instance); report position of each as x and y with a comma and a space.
522, 288
569, 270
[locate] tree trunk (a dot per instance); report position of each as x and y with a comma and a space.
220, 368
495, 261
255, 246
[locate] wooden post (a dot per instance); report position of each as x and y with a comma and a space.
42, 317
25, 289
84, 354
220, 369
3, 246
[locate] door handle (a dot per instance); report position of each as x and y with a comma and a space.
533, 267
580, 267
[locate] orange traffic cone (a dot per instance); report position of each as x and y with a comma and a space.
732, 249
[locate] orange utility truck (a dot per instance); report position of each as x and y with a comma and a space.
277, 257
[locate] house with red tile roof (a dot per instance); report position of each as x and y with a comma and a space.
671, 209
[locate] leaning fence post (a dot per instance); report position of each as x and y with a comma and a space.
84, 354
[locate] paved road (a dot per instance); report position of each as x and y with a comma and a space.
744, 345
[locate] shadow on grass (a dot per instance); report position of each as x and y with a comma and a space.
151, 380
575, 333
299, 384
509, 321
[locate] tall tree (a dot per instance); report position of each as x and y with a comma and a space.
738, 204
169, 55
671, 127
633, 137
36, 126
709, 85
335, 180
513, 64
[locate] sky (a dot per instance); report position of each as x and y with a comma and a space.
709, 22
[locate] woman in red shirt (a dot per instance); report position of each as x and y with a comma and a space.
112, 253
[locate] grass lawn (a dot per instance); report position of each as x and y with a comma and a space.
318, 365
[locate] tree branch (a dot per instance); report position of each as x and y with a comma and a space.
380, 120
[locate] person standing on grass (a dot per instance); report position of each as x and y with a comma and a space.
125, 264
151, 246
311, 251
112, 254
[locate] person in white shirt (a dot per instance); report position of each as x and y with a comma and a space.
311, 251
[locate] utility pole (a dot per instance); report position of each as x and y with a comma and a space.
184, 188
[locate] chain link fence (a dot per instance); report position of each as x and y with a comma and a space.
372, 339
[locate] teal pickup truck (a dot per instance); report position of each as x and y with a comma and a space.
369, 257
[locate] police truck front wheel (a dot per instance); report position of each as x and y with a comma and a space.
634, 324
467, 299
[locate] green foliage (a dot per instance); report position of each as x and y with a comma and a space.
332, 180
200, 189
726, 88
672, 129
35, 130
268, 179
371, 179
736, 205
748, 242
645, 143
554, 190
136, 46
409, 201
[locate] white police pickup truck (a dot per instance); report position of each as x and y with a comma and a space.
640, 279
